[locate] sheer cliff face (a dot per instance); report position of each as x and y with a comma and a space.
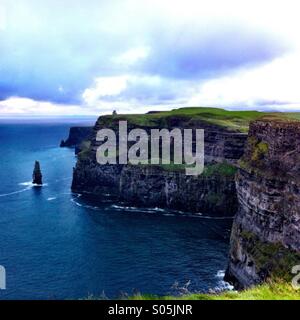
265, 239
155, 186
76, 136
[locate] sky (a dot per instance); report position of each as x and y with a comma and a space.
90, 57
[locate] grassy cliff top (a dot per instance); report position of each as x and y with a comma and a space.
273, 290
231, 120
268, 291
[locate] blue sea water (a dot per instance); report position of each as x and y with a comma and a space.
56, 245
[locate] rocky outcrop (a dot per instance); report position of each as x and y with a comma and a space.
265, 240
160, 186
37, 174
76, 136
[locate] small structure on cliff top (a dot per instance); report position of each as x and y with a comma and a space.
37, 174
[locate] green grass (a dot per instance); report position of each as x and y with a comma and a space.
85, 150
293, 115
173, 167
232, 120
222, 169
272, 290
259, 151
269, 291
273, 258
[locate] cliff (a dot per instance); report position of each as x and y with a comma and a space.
155, 186
256, 175
168, 186
77, 135
265, 239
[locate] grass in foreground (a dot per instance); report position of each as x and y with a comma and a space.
267, 291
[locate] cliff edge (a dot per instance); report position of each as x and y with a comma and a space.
265, 239
77, 137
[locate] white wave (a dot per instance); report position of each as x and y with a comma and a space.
135, 209
14, 192
140, 209
51, 198
212, 217
62, 179
28, 183
159, 209
77, 203
165, 212
114, 206
84, 205
168, 212
220, 274
117, 207
222, 285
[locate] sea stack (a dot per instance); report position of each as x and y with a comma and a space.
37, 174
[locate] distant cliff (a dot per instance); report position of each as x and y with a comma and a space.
76, 136
265, 240
168, 186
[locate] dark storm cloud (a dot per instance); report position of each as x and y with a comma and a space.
190, 54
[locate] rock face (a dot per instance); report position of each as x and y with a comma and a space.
76, 136
156, 186
265, 240
153, 186
37, 174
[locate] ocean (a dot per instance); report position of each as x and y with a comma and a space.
58, 245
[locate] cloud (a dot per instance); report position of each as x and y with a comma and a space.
138, 91
131, 56
195, 54
16, 106
271, 86
94, 54
263, 88
2, 18
105, 87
